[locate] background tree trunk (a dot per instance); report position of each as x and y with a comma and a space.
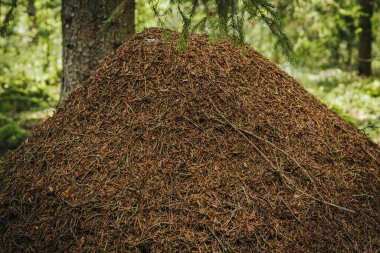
83, 47
31, 8
365, 38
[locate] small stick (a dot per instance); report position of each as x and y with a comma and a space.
218, 240
291, 211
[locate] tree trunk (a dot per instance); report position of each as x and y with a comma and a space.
31, 8
83, 47
365, 38
350, 38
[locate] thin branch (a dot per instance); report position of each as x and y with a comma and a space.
291, 182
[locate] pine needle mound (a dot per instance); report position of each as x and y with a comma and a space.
214, 149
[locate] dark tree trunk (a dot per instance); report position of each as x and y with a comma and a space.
31, 8
365, 38
350, 38
83, 46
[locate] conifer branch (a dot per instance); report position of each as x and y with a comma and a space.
228, 18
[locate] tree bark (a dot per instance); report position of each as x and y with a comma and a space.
31, 8
83, 47
365, 38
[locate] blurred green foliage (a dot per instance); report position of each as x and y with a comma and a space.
30, 66
322, 32
11, 134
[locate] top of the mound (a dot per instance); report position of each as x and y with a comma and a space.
211, 149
